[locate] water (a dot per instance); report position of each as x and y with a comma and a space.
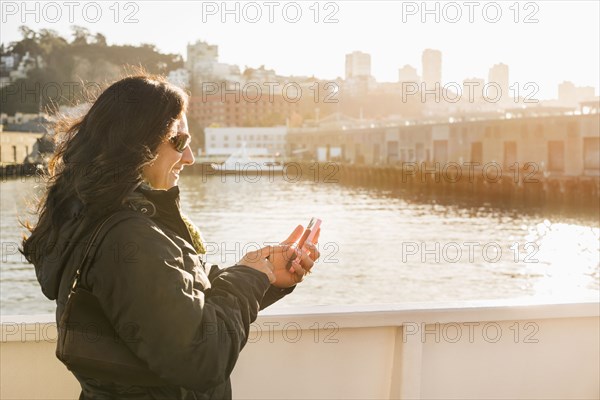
377, 246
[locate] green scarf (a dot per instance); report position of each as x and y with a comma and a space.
197, 240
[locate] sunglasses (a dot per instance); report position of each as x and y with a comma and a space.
180, 141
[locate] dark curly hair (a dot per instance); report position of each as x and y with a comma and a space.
99, 157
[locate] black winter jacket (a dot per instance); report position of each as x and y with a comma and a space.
191, 321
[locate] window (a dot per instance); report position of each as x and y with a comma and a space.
420, 152
591, 153
440, 151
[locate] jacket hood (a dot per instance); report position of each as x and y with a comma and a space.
61, 250
64, 250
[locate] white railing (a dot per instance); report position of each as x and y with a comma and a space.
479, 350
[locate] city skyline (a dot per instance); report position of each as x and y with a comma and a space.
295, 49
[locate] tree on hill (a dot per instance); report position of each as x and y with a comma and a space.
86, 58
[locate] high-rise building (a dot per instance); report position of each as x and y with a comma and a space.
585, 93
473, 90
432, 67
567, 93
570, 95
201, 52
179, 77
499, 77
408, 73
203, 66
358, 64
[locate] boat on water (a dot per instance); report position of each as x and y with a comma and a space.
240, 162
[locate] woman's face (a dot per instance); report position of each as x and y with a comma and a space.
163, 173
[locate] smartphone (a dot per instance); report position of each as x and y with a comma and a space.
309, 232
308, 235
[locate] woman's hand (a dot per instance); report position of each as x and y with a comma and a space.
258, 260
274, 260
302, 260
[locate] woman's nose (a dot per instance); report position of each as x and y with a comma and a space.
188, 156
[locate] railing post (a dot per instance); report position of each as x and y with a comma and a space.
407, 365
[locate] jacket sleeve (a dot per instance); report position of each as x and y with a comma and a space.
272, 295
190, 338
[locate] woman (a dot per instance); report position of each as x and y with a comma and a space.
187, 322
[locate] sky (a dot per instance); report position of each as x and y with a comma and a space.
543, 42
